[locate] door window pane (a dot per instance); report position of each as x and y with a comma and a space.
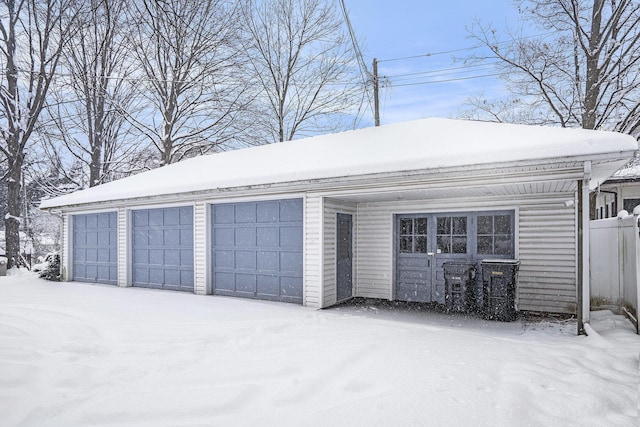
406, 226
485, 225
444, 244
503, 224
459, 225
495, 235
444, 225
421, 244
406, 244
452, 235
413, 235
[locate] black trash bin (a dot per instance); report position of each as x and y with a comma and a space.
499, 280
458, 282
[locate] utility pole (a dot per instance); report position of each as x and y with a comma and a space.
376, 101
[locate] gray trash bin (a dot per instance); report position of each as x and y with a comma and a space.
499, 281
3, 266
459, 278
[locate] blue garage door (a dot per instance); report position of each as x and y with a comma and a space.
95, 253
163, 248
257, 250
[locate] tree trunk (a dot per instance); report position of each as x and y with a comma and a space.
12, 218
592, 85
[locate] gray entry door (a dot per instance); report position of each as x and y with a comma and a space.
344, 255
163, 248
95, 251
414, 259
257, 250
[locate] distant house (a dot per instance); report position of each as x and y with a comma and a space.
370, 213
620, 191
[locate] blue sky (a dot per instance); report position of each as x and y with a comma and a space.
402, 28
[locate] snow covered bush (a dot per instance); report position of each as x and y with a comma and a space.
52, 272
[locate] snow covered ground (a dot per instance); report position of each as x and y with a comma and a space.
75, 354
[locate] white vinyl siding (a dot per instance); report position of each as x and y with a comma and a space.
545, 244
123, 260
65, 254
200, 248
312, 253
331, 209
547, 279
374, 250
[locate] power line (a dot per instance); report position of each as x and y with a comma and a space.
462, 49
442, 70
448, 80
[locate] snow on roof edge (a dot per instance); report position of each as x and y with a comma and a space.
407, 146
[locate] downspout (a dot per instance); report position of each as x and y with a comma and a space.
583, 290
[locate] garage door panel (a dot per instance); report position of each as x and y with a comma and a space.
291, 237
254, 245
172, 257
289, 286
91, 255
172, 237
267, 261
245, 237
245, 213
224, 282
224, 259
155, 256
91, 271
104, 273
186, 276
290, 210
104, 255
156, 276
267, 237
172, 217
92, 221
245, 260
186, 256
140, 275
156, 218
224, 237
245, 283
79, 272
163, 248
268, 286
140, 256
156, 237
140, 219
91, 238
290, 261
104, 220
224, 214
268, 212
171, 277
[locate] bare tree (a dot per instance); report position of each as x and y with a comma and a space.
304, 66
93, 91
33, 34
187, 51
584, 72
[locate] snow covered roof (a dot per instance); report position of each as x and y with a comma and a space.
627, 173
409, 146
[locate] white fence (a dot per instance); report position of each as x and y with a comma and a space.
615, 264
